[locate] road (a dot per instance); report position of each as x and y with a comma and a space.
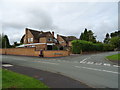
91, 69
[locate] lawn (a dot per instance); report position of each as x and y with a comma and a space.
14, 80
114, 57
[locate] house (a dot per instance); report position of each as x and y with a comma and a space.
65, 41
39, 39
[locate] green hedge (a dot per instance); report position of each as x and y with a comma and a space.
86, 46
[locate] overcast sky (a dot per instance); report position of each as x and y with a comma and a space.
64, 18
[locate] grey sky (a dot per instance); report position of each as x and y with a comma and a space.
65, 18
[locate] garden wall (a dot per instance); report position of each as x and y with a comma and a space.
33, 52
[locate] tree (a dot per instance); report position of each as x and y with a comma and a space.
5, 41
115, 41
107, 39
88, 35
91, 36
115, 34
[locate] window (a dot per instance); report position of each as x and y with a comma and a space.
61, 41
49, 39
24, 40
30, 39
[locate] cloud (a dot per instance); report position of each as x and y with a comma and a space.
65, 18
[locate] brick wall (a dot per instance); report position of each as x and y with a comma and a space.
41, 46
32, 52
56, 53
20, 51
43, 40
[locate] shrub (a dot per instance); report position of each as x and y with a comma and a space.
86, 46
55, 48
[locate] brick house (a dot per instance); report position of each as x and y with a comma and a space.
39, 39
65, 41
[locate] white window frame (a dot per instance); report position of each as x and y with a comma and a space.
31, 39
50, 39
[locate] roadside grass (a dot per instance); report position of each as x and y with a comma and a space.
0, 78
114, 57
14, 80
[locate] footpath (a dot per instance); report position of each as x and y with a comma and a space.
52, 80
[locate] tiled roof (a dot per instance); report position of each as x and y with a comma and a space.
38, 34
68, 38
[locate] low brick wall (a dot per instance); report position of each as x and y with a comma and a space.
33, 52
55, 53
20, 51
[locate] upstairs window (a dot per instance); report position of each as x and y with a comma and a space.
50, 39
30, 39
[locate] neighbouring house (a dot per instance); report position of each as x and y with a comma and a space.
39, 39
65, 41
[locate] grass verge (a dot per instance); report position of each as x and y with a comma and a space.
14, 80
114, 57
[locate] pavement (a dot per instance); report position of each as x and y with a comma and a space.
92, 69
52, 80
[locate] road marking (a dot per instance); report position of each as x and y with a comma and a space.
90, 62
98, 63
84, 60
106, 64
116, 66
7, 65
97, 69
48, 62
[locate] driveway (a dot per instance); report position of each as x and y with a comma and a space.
92, 70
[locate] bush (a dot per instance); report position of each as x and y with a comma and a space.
76, 47
86, 46
108, 47
55, 48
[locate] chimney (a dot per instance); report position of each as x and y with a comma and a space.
53, 33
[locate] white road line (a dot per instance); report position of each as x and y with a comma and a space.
106, 64
84, 59
116, 66
48, 62
7, 65
90, 62
98, 63
83, 62
97, 69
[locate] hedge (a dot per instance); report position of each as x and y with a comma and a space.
86, 46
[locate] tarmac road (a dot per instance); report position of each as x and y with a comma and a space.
91, 69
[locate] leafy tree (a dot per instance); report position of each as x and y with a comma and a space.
91, 37
88, 35
115, 41
5, 41
115, 34
107, 39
